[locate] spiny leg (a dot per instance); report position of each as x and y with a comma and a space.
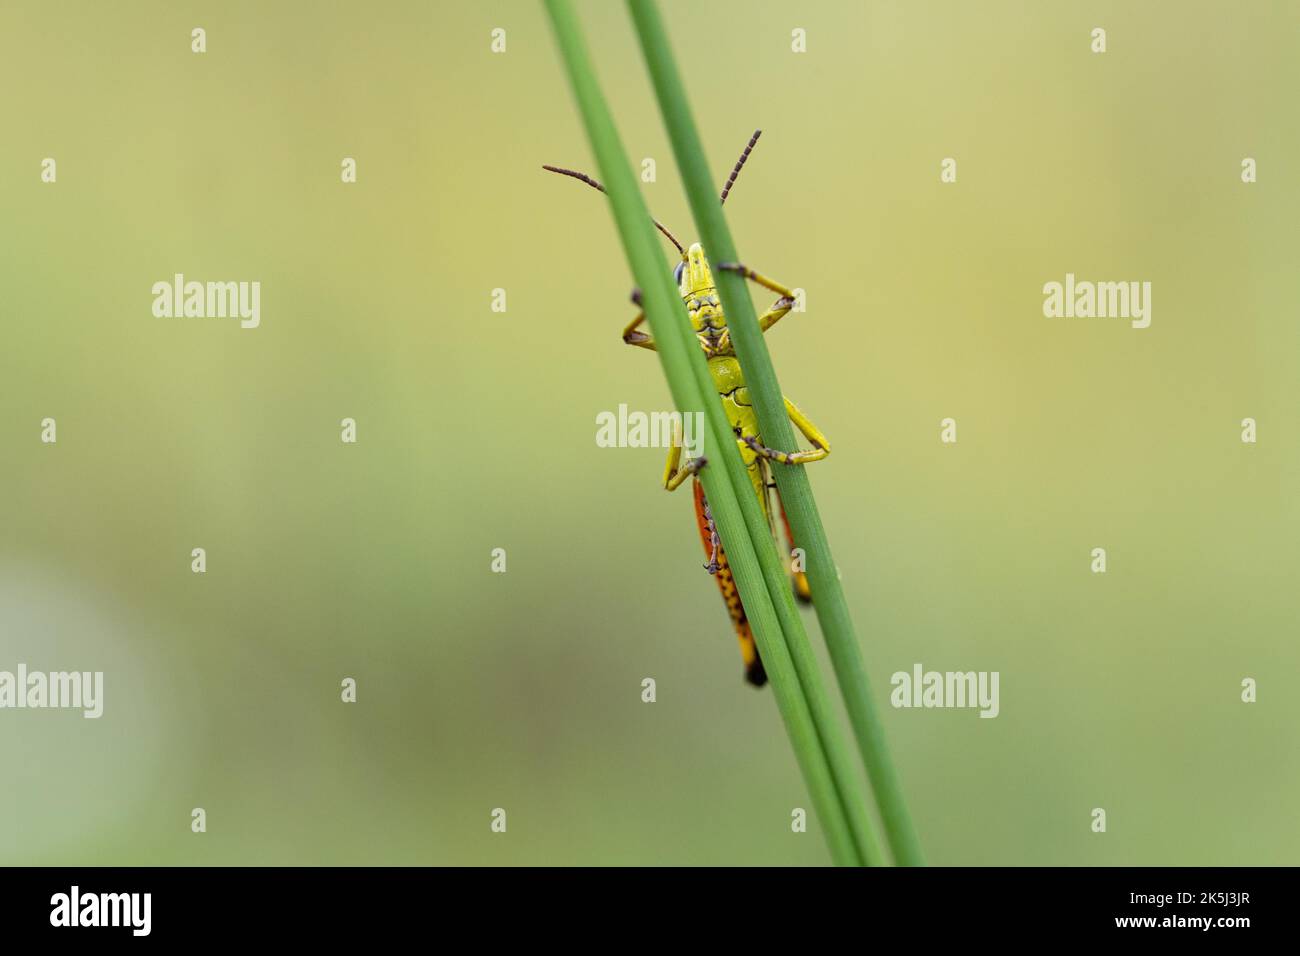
715, 543
754, 672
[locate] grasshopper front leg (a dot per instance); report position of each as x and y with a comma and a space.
632, 334
779, 308
773, 315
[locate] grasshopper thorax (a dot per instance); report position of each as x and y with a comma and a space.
695, 282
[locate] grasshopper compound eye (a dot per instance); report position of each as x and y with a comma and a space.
677, 273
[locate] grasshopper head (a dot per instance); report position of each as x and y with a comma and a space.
695, 282
693, 275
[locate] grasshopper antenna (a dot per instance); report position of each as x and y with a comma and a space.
731, 180
584, 178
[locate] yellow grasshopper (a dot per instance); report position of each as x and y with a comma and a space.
695, 283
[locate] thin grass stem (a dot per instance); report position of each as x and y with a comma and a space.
792, 482
677, 349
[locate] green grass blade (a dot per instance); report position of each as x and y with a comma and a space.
669, 324
796, 492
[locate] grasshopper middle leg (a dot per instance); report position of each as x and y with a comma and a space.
821, 445
675, 472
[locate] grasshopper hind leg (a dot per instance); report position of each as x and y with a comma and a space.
754, 672
713, 542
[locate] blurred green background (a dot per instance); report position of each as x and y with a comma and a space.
476, 430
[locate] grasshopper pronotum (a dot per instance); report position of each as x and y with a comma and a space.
695, 282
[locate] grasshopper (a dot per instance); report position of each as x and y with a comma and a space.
695, 283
